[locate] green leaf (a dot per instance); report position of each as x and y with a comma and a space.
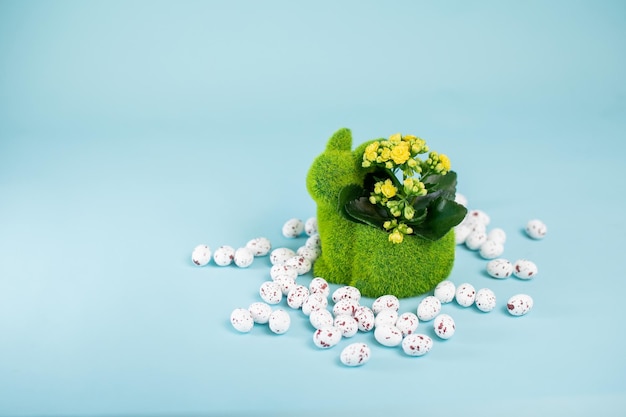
446, 184
443, 214
364, 211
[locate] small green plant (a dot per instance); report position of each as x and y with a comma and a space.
408, 190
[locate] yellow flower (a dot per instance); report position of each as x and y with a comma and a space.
371, 152
395, 138
400, 153
445, 162
388, 189
384, 156
396, 237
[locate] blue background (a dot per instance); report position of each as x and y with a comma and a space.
132, 131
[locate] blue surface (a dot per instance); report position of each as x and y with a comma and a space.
132, 131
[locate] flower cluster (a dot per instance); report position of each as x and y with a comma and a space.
401, 178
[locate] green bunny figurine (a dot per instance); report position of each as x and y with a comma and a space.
360, 255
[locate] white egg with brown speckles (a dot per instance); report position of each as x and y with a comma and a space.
485, 300
499, 268
347, 324
536, 229
259, 246
260, 312
365, 318
321, 318
310, 226
293, 228
428, 308
279, 321
444, 326
519, 304
280, 255
327, 337
224, 255
525, 269
417, 344
385, 301
407, 323
445, 291
388, 335
465, 294
241, 320
201, 255
491, 249
271, 292
355, 354
297, 295
243, 257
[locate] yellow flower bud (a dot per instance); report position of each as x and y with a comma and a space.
396, 237
445, 162
395, 138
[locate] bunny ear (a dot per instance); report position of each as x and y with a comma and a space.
340, 141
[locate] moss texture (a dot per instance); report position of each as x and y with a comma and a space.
360, 255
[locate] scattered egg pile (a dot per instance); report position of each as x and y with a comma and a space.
341, 314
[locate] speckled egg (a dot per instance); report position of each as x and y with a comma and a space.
310, 253
283, 270
279, 321
444, 326
347, 324
201, 255
271, 292
321, 318
345, 306
280, 255
485, 300
364, 317
314, 241
519, 304
314, 302
355, 354
260, 312
243, 257
241, 319
388, 335
497, 235
499, 268
385, 301
407, 323
428, 308
461, 232
297, 295
310, 226
465, 294
491, 249
300, 263
536, 229
286, 283
224, 255
477, 216
346, 292
319, 285
524, 269
293, 228
259, 246
445, 291
386, 317
475, 239
327, 337
417, 344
